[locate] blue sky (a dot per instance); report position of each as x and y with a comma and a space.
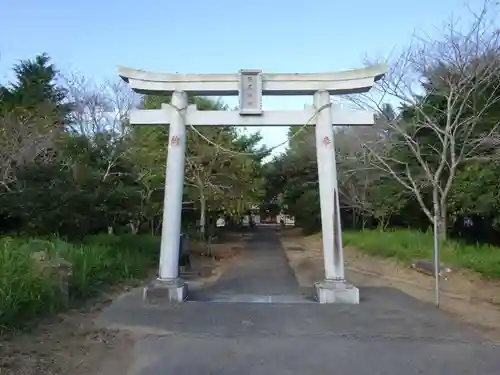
217, 36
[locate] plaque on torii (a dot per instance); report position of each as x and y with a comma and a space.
250, 86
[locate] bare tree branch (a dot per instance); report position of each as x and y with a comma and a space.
448, 88
101, 110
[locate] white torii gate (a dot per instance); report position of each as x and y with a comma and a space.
250, 86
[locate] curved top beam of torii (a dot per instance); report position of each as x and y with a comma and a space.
345, 82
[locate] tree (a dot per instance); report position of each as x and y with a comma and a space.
446, 121
224, 168
32, 113
292, 179
35, 84
221, 163
64, 159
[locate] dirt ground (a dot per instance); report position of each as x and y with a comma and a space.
72, 344
67, 344
464, 294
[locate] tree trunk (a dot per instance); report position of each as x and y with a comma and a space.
442, 228
443, 223
364, 220
203, 212
383, 221
439, 214
134, 227
159, 226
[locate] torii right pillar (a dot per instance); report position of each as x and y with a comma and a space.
334, 289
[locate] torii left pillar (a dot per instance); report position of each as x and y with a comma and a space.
168, 284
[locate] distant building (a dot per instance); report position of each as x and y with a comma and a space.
287, 219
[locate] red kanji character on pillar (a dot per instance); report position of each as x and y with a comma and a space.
175, 140
326, 141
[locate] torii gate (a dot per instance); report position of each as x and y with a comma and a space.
250, 86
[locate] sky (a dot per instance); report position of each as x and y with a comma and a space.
92, 37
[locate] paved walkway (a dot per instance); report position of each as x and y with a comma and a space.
261, 274
388, 333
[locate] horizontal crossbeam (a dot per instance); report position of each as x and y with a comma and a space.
164, 115
346, 82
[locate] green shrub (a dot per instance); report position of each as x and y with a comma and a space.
23, 294
99, 261
407, 245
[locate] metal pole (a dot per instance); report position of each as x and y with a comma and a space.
436, 259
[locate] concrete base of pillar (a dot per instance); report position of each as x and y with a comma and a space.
170, 290
330, 291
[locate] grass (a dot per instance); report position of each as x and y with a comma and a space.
99, 262
408, 245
